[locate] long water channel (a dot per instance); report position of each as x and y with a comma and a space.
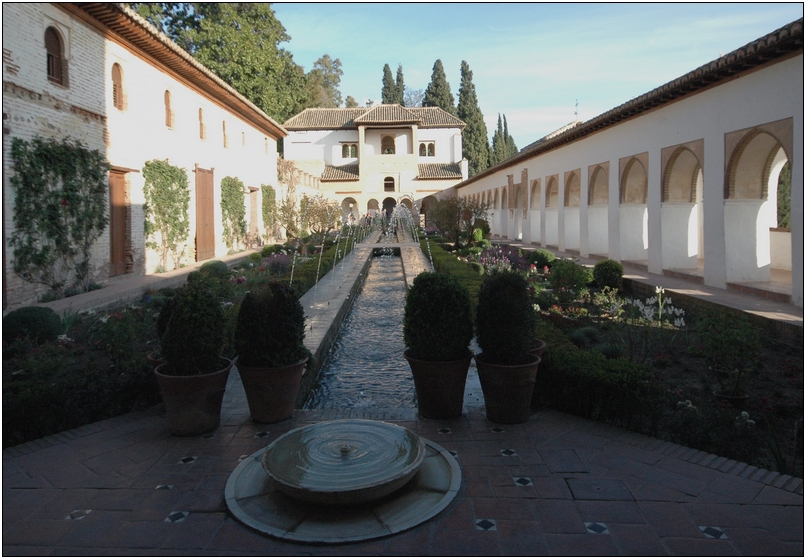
365, 367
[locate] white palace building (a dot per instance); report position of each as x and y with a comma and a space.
681, 180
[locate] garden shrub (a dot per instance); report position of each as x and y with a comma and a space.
438, 318
567, 274
541, 258
447, 263
255, 258
608, 273
268, 250
40, 324
505, 319
270, 327
216, 269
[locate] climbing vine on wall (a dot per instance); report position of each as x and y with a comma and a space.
167, 224
60, 210
233, 210
269, 208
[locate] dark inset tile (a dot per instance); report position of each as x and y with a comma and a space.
177, 516
598, 528
595, 489
485, 524
713, 532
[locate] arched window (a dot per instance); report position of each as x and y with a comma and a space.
430, 150
388, 184
388, 145
345, 151
353, 150
427, 149
202, 133
117, 86
169, 113
56, 63
224, 132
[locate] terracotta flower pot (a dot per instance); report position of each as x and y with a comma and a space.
739, 402
538, 347
155, 359
507, 390
271, 391
440, 385
193, 403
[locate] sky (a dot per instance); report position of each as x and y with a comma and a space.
531, 62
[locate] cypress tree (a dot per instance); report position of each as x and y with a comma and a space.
438, 93
511, 148
499, 150
475, 146
389, 90
399, 87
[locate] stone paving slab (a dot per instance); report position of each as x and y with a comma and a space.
150, 492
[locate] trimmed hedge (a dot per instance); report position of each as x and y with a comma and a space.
585, 383
37, 323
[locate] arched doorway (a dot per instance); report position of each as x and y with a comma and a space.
754, 246
681, 209
349, 210
373, 208
633, 216
389, 206
571, 210
598, 198
426, 207
552, 219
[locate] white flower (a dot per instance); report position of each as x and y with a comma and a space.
679, 322
104, 318
64, 338
659, 290
651, 300
667, 301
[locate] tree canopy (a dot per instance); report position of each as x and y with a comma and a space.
400, 88
239, 42
438, 93
475, 146
324, 79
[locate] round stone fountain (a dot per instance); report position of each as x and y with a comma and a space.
342, 481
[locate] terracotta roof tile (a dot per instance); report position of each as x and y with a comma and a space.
428, 171
387, 114
343, 173
349, 119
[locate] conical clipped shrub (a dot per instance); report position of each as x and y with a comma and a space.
270, 328
505, 319
193, 334
438, 320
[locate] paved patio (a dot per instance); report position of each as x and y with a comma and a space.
557, 485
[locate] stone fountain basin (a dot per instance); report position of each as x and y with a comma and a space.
344, 462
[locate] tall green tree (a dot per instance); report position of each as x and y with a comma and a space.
438, 93
413, 97
172, 18
512, 149
350, 102
400, 87
475, 146
324, 80
389, 89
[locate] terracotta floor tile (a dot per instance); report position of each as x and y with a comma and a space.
581, 545
636, 540
559, 517
699, 547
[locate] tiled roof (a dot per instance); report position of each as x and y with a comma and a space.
349, 119
434, 117
343, 173
778, 44
324, 119
387, 114
439, 171
551, 135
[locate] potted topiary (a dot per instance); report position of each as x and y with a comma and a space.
194, 376
505, 321
437, 329
269, 334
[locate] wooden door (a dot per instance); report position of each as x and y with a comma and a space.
117, 223
205, 226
